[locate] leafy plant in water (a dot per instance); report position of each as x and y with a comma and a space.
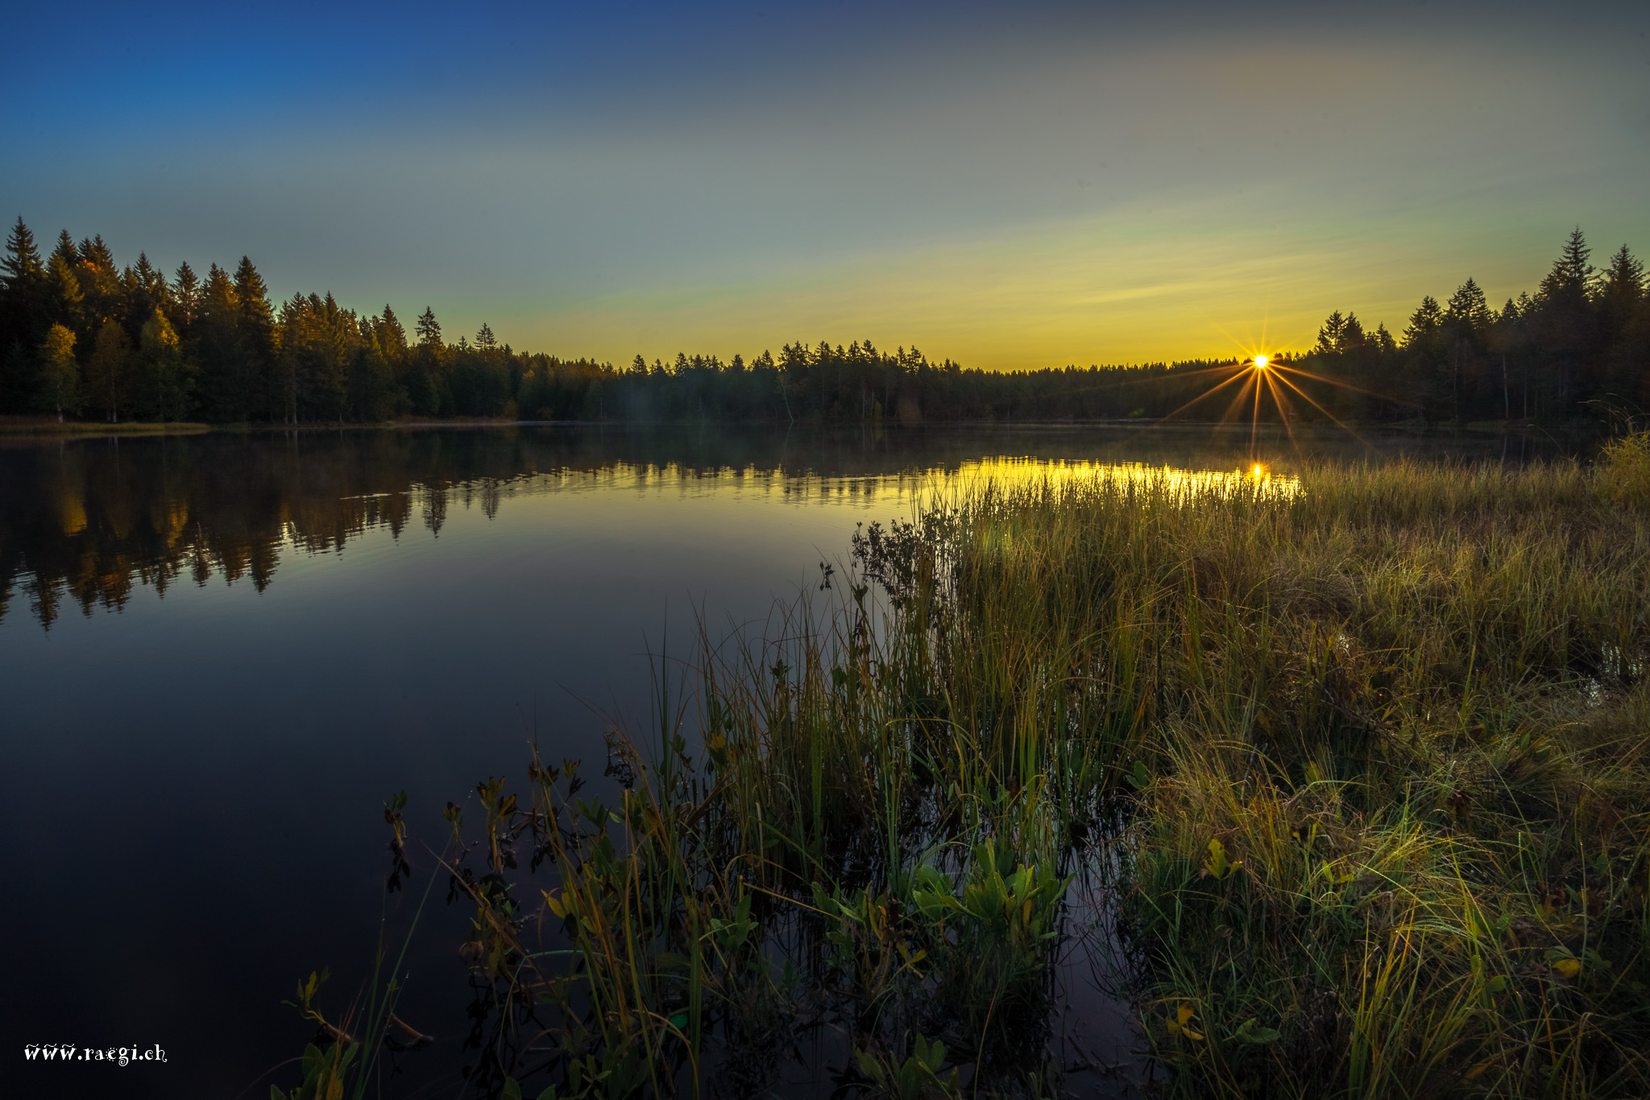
991, 940
916, 1077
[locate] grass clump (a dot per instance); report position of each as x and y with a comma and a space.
1624, 468
1365, 761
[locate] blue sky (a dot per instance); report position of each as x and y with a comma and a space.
1009, 185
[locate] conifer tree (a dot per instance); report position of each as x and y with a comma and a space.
186, 300
22, 260
216, 339
1466, 328
1422, 358
100, 287
426, 385
1423, 323
64, 299
255, 329
1622, 301
1330, 334
23, 298
1620, 290
392, 337
1565, 326
429, 329
145, 290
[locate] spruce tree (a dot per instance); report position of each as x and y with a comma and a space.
426, 388
1466, 329
186, 295
23, 297
22, 260
1620, 290
429, 329
1621, 303
223, 388
1566, 329
255, 331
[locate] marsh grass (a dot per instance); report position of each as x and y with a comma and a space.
1368, 756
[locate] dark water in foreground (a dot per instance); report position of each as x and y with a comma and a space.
219, 655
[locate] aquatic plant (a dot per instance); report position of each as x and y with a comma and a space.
1366, 757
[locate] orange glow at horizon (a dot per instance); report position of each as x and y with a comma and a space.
1263, 380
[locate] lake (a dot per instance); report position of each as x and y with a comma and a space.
220, 656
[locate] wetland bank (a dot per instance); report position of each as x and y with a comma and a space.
1004, 762
577, 551
1332, 783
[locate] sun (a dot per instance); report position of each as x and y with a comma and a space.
1253, 379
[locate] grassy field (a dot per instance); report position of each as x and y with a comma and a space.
1362, 766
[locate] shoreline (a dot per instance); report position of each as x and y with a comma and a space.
23, 428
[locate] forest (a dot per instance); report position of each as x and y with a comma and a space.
82, 337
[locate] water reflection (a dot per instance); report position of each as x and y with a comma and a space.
82, 522
377, 612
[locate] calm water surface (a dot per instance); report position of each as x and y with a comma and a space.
219, 655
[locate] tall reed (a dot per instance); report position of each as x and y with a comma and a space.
1366, 754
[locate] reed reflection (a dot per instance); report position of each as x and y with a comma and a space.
85, 523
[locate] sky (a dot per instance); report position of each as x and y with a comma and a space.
1007, 185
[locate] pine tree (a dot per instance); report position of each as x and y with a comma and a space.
1352, 336
145, 291
1620, 290
1621, 302
1466, 328
1468, 309
215, 335
296, 337
64, 299
186, 298
1571, 274
1422, 347
426, 386
100, 286
22, 262
255, 330
1423, 323
65, 249
371, 381
1512, 338
1330, 334
24, 291
392, 338
1565, 325
429, 329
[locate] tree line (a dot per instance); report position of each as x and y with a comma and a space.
81, 336
1580, 342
